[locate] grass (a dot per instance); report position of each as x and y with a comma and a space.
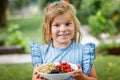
107, 68
16, 72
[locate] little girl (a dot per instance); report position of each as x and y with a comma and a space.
61, 36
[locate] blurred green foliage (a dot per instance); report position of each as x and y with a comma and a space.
31, 27
18, 4
28, 30
99, 24
22, 31
15, 37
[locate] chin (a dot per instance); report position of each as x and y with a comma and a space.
65, 41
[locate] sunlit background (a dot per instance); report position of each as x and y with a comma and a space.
21, 25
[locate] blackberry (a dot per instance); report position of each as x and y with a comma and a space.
56, 71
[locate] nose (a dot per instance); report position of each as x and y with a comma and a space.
63, 28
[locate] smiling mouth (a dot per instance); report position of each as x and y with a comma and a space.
63, 34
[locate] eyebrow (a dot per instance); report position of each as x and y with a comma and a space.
64, 22
68, 21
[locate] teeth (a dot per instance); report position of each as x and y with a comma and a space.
65, 33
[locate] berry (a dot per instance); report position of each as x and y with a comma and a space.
55, 71
63, 67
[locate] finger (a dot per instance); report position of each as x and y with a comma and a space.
79, 71
42, 78
37, 65
75, 75
38, 76
79, 67
35, 73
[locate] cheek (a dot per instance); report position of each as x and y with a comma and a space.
72, 30
54, 32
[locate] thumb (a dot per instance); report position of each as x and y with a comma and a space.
79, 67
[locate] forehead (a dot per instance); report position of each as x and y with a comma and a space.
62, 18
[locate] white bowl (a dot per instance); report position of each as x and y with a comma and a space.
60, 76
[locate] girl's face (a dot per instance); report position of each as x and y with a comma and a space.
62, 30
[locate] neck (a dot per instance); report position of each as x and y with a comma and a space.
61, 45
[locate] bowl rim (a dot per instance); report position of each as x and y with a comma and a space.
56, 63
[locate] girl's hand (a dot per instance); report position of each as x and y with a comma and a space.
38, 77
78, 74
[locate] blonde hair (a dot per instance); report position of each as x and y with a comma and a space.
55, 9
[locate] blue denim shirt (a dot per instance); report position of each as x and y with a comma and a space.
75, 53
